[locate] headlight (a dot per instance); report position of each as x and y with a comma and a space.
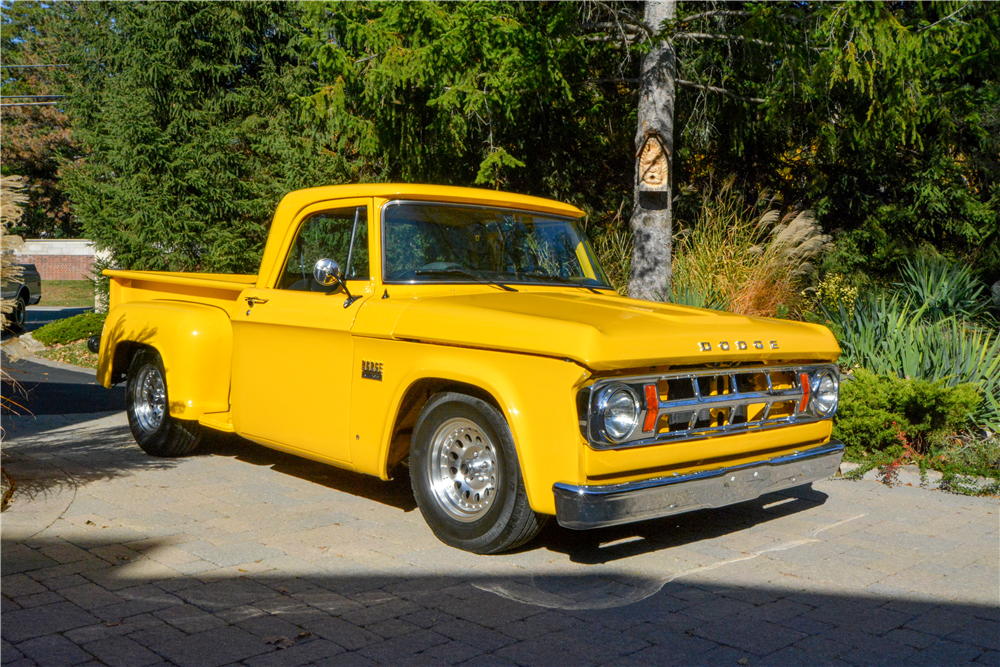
620, 412
826, 392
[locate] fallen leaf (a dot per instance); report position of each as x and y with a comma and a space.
742, 661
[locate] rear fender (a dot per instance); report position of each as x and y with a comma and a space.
195, 342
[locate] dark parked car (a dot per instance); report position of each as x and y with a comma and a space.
24, 291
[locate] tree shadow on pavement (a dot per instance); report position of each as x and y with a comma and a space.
127, 601
51, 452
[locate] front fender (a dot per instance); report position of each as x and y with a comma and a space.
195, 342
537, 396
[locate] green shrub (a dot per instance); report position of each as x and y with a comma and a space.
70, 329
942, 290
886, 335
881, 414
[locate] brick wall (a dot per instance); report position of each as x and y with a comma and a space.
62, 259
61, 267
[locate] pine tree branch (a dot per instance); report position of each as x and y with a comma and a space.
705, 15
735, 38
721, 91
685, 84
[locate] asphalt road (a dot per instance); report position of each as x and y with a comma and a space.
41, 389
36, 388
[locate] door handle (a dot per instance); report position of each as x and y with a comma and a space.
251, 300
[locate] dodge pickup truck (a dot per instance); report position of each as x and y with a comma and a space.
472, 336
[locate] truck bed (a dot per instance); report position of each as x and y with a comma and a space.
216, 289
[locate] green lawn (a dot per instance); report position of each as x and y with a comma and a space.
67, 293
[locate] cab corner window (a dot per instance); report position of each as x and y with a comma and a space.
339, 234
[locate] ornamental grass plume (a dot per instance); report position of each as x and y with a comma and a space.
745, 261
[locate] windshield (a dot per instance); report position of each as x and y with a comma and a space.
460, 244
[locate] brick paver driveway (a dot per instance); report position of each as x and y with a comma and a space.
242, 555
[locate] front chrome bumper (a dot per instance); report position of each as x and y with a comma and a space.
583, 507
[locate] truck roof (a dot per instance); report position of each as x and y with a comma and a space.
300, 198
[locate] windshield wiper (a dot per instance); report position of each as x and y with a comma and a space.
458, 271
564, 281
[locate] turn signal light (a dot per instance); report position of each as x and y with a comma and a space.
652, 408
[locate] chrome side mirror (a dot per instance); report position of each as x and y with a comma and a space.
327, 272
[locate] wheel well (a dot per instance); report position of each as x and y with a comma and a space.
125, 351
24, 292
413, 402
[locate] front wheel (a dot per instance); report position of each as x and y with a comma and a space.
154, 430
466, 478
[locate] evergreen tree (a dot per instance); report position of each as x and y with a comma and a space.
187, 109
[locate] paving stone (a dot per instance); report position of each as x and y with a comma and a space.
302, 653
122, 652
40, 621
682, 650
453, 652
940, 621
555, 650
758, 637
189, 619
989, 658
392, 628
213, 648
346, 660
918, 640
981, 633
483, 639
880, 652
350, 636
393, 650
20, 585
8, 653
945, 653
53, 651
48, 597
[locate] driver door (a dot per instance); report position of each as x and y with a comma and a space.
292, 345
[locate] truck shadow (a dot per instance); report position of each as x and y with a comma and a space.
395, 493
603, 545
606, 545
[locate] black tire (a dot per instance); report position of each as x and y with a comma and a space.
479, 504
15, 321
148, 408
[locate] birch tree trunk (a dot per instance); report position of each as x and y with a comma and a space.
654, 140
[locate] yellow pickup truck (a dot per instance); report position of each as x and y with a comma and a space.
472, 336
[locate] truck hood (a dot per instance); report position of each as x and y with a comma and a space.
608, 333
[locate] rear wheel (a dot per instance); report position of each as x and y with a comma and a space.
154, 430
15, 321
466, 478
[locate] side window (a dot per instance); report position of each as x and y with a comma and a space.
341, 235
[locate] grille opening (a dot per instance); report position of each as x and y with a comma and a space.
784, 380
676, 389
782, 410
714, 385
750, 382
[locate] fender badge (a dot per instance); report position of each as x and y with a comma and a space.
371, 370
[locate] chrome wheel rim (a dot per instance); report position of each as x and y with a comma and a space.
463, 469
149, 398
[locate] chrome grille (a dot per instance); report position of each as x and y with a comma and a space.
704, 403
